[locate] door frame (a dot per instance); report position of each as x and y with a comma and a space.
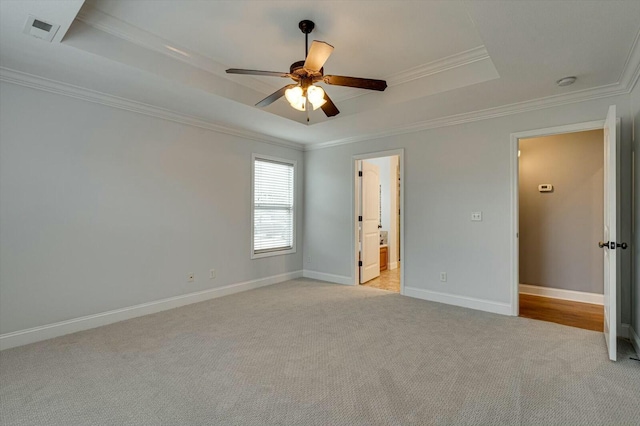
515, 196
355, 202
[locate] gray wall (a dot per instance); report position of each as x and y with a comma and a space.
635, 296
559, 230
449, 172
102, 208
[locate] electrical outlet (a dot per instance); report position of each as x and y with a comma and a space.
443, 276
191, 277
476, 216
212, 274
308, 259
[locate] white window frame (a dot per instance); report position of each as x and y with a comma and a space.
293, 163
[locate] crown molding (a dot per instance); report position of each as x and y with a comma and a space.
36, 82
631, 71
485, 114
111, 25
460, 59
628, 79
41, 83
120, 29
425, 70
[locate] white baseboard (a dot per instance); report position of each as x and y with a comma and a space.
338, 279
623, 330
393, 265
635, 340
463, 301
556, 293
49, 331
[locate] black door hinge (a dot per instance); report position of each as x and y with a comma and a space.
360, 263
359, 218
360, 173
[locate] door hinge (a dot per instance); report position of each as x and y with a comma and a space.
359, 218
360, 263
360, 173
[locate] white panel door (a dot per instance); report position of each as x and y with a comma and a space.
610, 234
369, 232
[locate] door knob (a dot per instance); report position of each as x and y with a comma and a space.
611, 245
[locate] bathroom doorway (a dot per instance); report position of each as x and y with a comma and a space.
379, 221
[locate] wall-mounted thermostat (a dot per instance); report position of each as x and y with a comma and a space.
545, 187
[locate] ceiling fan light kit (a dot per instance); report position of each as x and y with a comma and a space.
308, 72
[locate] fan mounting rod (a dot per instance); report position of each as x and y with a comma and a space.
306, 26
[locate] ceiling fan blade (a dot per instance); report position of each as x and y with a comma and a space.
274, 96
318, 55
329, 108
360, 83
258, 72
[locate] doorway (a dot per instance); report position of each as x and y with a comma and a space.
561, 208
378, 225
609, 244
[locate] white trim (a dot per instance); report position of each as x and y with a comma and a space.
114, 26
635, 340
631, 69
322, 276
558, 293
453, 61
624, 330
40, 83
515, 202
462, 301
132, 34
628, 79
49, 331
515, 226
118, 28
354, 206
293, 163
393, 265
485, 114
424, 70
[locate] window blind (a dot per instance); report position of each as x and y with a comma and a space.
273, 206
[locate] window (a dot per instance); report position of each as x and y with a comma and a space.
273, 219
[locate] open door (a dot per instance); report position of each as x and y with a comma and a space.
610, 245
369, 232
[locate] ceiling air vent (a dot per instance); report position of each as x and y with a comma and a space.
40, 29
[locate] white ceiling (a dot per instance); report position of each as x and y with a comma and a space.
441, 59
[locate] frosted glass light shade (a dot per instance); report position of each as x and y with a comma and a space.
293, 95
316, 96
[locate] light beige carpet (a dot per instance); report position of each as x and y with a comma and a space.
310, 353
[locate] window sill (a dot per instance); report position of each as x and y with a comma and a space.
272, 253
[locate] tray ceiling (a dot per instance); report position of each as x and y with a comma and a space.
440, 59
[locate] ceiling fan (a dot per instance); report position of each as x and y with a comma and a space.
304, 93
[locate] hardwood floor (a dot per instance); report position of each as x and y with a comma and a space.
565, 312
388, 280
574, 314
